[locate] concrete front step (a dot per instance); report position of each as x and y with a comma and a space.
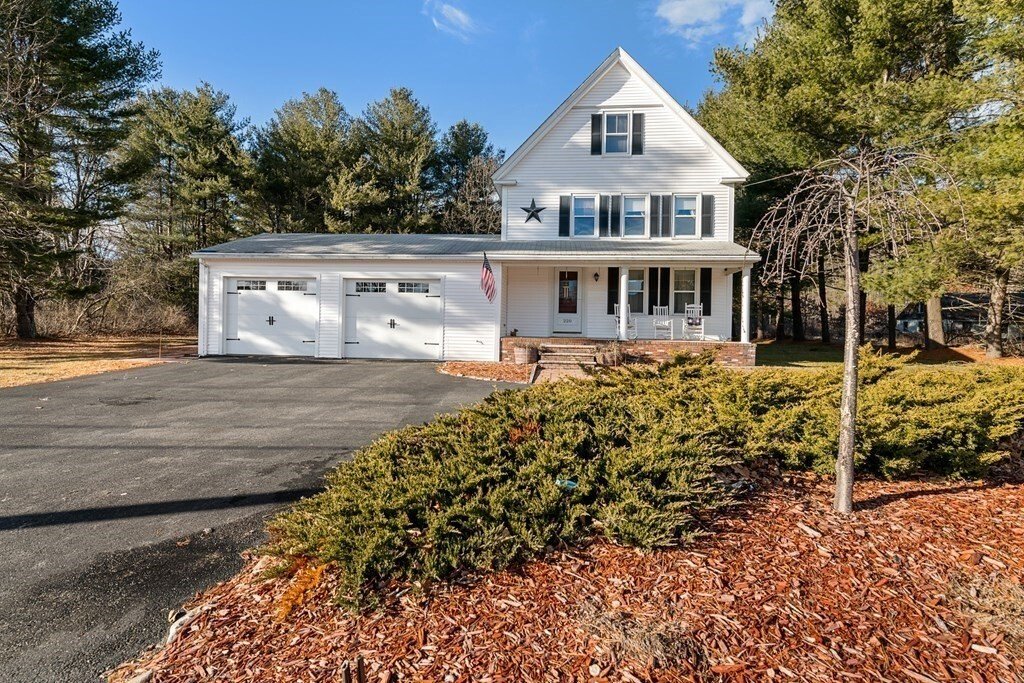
566, 363
585, 348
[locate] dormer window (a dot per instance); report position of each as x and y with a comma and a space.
616, 133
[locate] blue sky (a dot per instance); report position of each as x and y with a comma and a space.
506, 65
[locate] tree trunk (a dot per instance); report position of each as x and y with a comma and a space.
826, 333
936, 335
843, 501
25, 313
890, 314
795, 307
996, 306
780, 313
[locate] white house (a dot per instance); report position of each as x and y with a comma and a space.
617, 224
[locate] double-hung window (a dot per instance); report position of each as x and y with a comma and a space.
616, 133
684, 215
684, 290
634, 216
584, 216
636, 290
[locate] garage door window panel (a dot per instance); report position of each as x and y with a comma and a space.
371, 287
251, 286
291, 285
413, 288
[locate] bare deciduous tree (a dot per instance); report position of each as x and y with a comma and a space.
878, 195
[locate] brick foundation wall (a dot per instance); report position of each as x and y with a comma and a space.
731, 353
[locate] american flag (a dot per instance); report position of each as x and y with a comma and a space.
487, 280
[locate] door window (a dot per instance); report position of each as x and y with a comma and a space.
568, 291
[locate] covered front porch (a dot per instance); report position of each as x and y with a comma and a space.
627, 302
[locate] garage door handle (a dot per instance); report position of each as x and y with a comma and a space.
309, 341
309, 294
433, 296
352, 295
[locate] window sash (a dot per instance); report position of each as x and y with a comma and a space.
636, 289
685, 215
634, 219
684, 290
584, 218
616, 133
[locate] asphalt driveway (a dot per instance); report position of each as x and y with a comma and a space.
123, 494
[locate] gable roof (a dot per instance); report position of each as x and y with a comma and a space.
620, 57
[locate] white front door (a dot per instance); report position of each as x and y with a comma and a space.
393, 319
568, 311
271, 316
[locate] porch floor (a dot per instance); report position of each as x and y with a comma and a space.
738, 354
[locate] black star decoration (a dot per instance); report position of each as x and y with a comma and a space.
533, 211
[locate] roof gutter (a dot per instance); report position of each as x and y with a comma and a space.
750, 257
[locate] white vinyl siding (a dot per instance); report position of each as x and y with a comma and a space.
469, 321
675, 160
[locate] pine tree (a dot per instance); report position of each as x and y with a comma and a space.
460, 146
296, 156
389, 188
193, 181
67, 78
987, 155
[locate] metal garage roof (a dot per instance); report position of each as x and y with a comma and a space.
467, 247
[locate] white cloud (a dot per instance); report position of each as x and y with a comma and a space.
700, 20
451, 20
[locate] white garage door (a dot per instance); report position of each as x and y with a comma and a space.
393, 319
271, 317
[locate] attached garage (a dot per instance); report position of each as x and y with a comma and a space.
392, 318
267, 316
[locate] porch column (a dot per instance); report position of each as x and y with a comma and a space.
745, 308
623, 302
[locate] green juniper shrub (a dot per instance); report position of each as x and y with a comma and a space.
634, 455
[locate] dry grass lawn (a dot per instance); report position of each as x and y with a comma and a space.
48, 360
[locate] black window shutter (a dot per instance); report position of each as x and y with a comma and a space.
666, 215
616, 227
652, 278
664, 285
563, 215
596, 126
705, 290
707, 215
638, 134
613, 289
603, 218
655, 217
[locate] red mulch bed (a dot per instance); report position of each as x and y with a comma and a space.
494, 372
782, 590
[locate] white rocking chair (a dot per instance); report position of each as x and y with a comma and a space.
631, 332
693, 323
663, 328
